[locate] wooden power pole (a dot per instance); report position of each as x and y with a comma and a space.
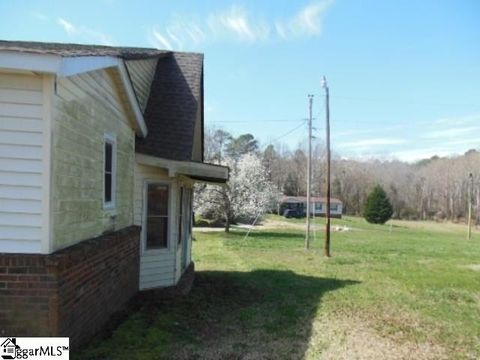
309, 170
470, 195
327, 213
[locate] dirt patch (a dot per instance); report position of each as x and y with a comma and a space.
269, 224
353, 339
474, 267
315, 224
208, 229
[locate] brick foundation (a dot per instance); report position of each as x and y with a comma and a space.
72, 292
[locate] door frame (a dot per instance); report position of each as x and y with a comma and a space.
169, 248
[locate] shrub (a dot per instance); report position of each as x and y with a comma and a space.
378, 209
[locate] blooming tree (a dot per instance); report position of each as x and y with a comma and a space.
248, 193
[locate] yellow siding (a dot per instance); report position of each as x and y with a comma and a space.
85, 108
142, 73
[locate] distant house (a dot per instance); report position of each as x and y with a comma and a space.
319, 205
99, 150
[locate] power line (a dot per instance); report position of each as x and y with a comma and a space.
288, 132
414, 102
254, 121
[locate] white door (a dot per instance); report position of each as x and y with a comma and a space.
157, 260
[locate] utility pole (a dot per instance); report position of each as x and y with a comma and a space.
327, 214
470, 194
309, 170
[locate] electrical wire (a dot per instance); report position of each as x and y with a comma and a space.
253, 121
287, 133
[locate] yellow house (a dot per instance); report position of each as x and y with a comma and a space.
99, 149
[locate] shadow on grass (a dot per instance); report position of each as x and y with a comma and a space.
263, 314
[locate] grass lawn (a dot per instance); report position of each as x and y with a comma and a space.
406, 291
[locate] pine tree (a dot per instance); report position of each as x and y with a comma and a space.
378, 209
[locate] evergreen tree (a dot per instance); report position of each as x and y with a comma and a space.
378, 209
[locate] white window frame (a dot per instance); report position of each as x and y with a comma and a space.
112, 140
170, 221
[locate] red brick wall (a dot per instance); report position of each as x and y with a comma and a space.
72, 292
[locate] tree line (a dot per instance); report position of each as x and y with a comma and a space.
436, 188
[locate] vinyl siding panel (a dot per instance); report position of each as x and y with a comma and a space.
23, 156
157, 268
142, 73
86, 107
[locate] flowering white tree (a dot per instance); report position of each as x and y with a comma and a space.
248, 194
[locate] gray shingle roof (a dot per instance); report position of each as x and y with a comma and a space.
175, 98
176, 93
128, 53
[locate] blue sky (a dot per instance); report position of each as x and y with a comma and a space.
404, 76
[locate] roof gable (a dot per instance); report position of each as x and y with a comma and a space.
141, 73
165, 104
172, 108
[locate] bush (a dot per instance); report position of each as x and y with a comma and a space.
378, 209
201, 223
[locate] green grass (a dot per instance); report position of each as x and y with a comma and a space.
410, 290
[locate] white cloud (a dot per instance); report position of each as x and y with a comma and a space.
450, 133
369, 143
475, 142
84, 32
239, 24
236, 23
183, 30
69, 28
419, 154
307, 22
475, 118
161, 40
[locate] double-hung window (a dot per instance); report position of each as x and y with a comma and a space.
157, 216
110, 169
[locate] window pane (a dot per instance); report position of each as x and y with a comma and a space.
108, 187
157, 200
157, 216
157, 232
108, 157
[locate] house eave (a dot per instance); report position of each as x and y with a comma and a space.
196, 171
74, 65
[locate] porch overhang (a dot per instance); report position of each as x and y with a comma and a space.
196, 171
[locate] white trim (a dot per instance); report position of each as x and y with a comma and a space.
191, 168
168, 249
47, 213
74, 65
112, 140
16, 60
82, 64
